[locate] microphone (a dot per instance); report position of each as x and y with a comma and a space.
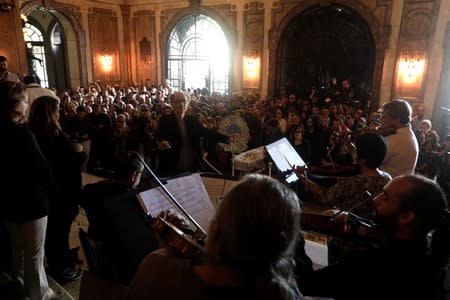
364, 221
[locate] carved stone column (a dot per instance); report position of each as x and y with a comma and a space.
126, 21
253, 37
441, 115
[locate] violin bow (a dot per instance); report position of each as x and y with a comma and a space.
349, 209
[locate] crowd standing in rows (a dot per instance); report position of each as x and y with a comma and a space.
90, 129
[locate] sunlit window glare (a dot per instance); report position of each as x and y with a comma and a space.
36, 53
198, 55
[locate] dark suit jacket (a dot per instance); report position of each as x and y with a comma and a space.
169, 130
28, 175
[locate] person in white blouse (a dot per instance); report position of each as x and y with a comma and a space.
403, 149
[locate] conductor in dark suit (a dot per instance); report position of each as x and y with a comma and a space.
179, 139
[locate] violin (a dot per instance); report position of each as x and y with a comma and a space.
174, 232
384, 131
353, 227
172, 229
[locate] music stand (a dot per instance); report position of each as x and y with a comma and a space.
285, 158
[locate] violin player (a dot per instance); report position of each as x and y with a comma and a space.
368, 154
403, 148
412, 261
114, 224
249, 250
369, 151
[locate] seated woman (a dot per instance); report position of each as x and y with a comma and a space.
349, 191
250, 251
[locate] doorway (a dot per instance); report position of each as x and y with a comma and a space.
52, 58
323, 46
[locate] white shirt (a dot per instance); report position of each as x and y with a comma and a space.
402, 153
35, 91
8, 76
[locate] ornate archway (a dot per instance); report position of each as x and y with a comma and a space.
287, 14
172, 18
70, 14
198, 55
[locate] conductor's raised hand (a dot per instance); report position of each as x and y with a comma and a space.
163, 145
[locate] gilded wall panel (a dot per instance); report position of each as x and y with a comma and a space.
104, 36
13, 46
145, 48
416, 31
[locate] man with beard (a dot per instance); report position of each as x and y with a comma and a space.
5, 75
412, 260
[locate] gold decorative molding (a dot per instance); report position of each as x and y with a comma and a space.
416, 31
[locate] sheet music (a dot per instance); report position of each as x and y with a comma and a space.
214, 187
229, 184
189, 191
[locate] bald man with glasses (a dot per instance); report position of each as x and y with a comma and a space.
179, 139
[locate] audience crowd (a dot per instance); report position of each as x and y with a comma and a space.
92, 129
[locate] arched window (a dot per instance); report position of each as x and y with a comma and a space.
198, 55
36, 52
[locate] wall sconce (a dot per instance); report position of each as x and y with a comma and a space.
106, 60
411, 69
147, 60
6, 5
251, 70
